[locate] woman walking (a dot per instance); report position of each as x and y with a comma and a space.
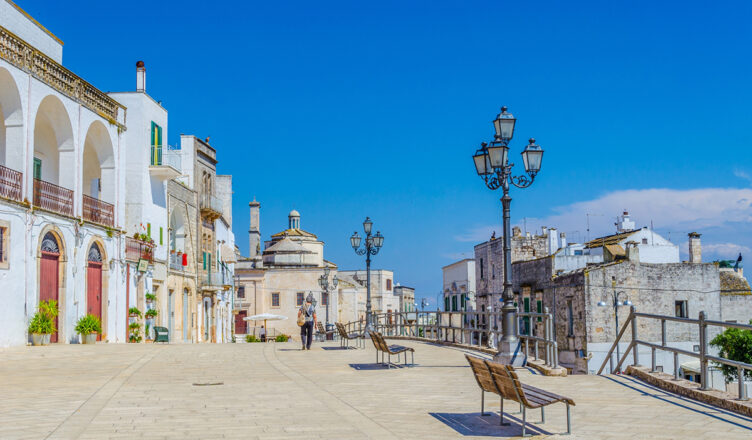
308, 313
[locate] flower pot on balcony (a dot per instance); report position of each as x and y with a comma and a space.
90, 338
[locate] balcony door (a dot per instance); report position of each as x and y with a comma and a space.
186, 323
49, 265
94, 284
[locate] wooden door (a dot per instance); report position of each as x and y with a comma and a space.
240, 324
48, 281
94, 291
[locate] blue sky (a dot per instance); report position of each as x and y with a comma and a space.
345, 109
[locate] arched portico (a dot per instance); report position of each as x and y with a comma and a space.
54, 157
98, 172
11, 123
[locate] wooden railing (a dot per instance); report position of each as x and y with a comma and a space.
10, 184
98, 211
24, 56
53, 198
136, 250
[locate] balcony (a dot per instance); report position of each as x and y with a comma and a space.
176, 262
97, 211
10, 184
216, 281
211, 206
135, 250
24, 56
51, 197
165, 162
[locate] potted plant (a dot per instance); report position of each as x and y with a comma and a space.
88, 326
147, 327
42, 324
151, 314
135, 335
134, 312
150, 297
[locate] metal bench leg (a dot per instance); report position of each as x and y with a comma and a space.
483, 403
524, 422
569, 423
543, 416
501, 412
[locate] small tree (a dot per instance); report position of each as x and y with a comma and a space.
736, 345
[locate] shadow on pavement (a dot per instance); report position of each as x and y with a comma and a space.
473, 424
362, 367
335, 348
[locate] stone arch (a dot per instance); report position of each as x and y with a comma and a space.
53, 143
11, 123
97, 266
52, 273
178, 231
98, 170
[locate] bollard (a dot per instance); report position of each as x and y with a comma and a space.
703, 352
652, 359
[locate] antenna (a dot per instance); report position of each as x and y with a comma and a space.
588, 215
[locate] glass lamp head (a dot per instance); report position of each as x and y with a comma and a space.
355, 240
367, 225
378, 239
482, 162
504, 125
497, 154
335, 281
532, 157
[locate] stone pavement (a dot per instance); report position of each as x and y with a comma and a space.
275, 391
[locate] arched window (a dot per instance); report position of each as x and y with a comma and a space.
49, 243
95, 254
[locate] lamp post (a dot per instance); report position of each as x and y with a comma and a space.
493, 166
324, 283
371, 246
616, 304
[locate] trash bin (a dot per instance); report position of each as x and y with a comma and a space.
330, 332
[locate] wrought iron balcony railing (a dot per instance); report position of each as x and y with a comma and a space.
136, 250
27, 58
97, 211
210, 206
10, 184
53, 198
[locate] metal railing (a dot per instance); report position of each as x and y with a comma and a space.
53, 197
97, 211
166, 156
176, 262
27, 58
136, 250
216, 279
10, 184
472, 329
702, 332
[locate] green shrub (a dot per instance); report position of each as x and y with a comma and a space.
88, 324
282, 338
134, 311
151, 297
43, 321
252, 338
734, 344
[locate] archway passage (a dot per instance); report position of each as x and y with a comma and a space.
49, 281
94, 284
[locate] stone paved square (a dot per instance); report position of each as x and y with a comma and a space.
276, 391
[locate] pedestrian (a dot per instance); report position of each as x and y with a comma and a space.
307, 314
262, 333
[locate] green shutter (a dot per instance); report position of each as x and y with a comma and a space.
38, 168
160, 235
148, 230
203, 255
540, 309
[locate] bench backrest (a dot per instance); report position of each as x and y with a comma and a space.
507, 382
320, 327
481, 373
341, 329
162, 330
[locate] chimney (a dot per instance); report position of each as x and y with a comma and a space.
563, 239
633, 252
254, 233
516, 231
140, 77
695, 250
553, 240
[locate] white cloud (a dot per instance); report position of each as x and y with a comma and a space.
478, 234
743, 175
679, 211
724, 250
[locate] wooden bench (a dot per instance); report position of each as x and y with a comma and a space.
502, 380
390, 350
322, 332
161, 334
345, 338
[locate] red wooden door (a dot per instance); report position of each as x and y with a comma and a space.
94, 291
48, 281
240, 325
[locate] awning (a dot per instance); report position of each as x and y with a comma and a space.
691, 367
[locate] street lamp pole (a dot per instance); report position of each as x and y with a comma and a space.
371, 246
615, 303
324, 283
492, 164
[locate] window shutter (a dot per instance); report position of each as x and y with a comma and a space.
160, 235
37, 168
148, 230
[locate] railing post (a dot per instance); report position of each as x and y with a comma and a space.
676, 366
742, 386
663, 332
636, 357
703, 352
652, 359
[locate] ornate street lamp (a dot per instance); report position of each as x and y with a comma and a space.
493, 166
372, 246
616, 303
325, 285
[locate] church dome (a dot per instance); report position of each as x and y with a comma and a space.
294, 213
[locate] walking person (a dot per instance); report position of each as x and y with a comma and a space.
307, 315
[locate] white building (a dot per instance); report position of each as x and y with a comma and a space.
62, 183
459, 286
652, 247
383, 298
